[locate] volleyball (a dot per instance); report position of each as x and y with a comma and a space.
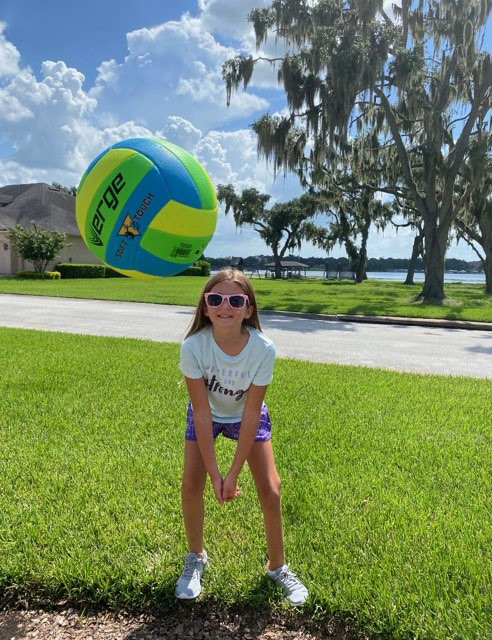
146, 208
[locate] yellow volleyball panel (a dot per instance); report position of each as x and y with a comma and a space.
98, 174
170, 248
136, 274
180, 220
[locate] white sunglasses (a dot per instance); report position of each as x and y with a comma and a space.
235, 300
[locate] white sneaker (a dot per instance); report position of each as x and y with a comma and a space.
295, 592
189, 585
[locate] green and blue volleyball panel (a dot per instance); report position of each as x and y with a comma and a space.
146, 208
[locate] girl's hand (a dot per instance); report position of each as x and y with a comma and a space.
217, 484
230, 490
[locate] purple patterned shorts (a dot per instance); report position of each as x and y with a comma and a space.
231, 429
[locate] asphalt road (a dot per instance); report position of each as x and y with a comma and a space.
433, 350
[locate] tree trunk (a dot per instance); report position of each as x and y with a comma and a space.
358, 261
358, 256
416, 252
361, 265
276, 260
485, 224
488, 273
434, 255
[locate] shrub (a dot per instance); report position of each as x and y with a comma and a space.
191, 271
69, 270
39, 246
205, 266
36, 275
200, 268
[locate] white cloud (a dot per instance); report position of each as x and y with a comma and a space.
229, 18
9, 56
11, 108
230, 157
174, 68
39, 118
14, 173
181, 132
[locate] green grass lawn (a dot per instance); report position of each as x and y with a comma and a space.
464, 302
386, 487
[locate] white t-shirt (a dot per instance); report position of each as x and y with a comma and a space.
227, 378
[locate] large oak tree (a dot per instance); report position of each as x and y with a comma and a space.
419, 81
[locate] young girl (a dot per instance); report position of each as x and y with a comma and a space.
228, 364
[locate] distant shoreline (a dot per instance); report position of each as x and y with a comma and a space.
393, 276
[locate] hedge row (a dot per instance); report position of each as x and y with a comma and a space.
36, 275
72, 270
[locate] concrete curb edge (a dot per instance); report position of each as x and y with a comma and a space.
416, 322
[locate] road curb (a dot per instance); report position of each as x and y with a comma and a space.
402, 321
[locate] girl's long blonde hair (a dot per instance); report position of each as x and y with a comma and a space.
200, 320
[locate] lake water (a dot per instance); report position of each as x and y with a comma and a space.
472, 278
395, 276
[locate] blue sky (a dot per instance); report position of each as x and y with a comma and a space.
76, 77
83, 34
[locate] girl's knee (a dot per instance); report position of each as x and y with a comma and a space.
192, 485
269, 492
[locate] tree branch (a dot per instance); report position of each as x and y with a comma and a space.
464, 228
455, 158
386, 18
270, 60
457, 154
407, 224
466, 231
400, 147
458, 120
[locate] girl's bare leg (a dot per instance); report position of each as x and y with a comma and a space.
192, 488
267, 481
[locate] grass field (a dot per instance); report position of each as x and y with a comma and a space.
464, 302
386, 487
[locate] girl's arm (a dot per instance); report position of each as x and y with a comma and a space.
202, 418
247, 434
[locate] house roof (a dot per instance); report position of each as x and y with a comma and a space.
287, 264
49, 207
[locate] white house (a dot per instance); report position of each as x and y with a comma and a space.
50, 208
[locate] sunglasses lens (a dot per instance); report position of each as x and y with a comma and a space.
237, 302
214, 299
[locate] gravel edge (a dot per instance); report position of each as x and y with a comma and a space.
197, 623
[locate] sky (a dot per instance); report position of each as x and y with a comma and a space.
76, 77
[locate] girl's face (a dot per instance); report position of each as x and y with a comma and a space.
226, 316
